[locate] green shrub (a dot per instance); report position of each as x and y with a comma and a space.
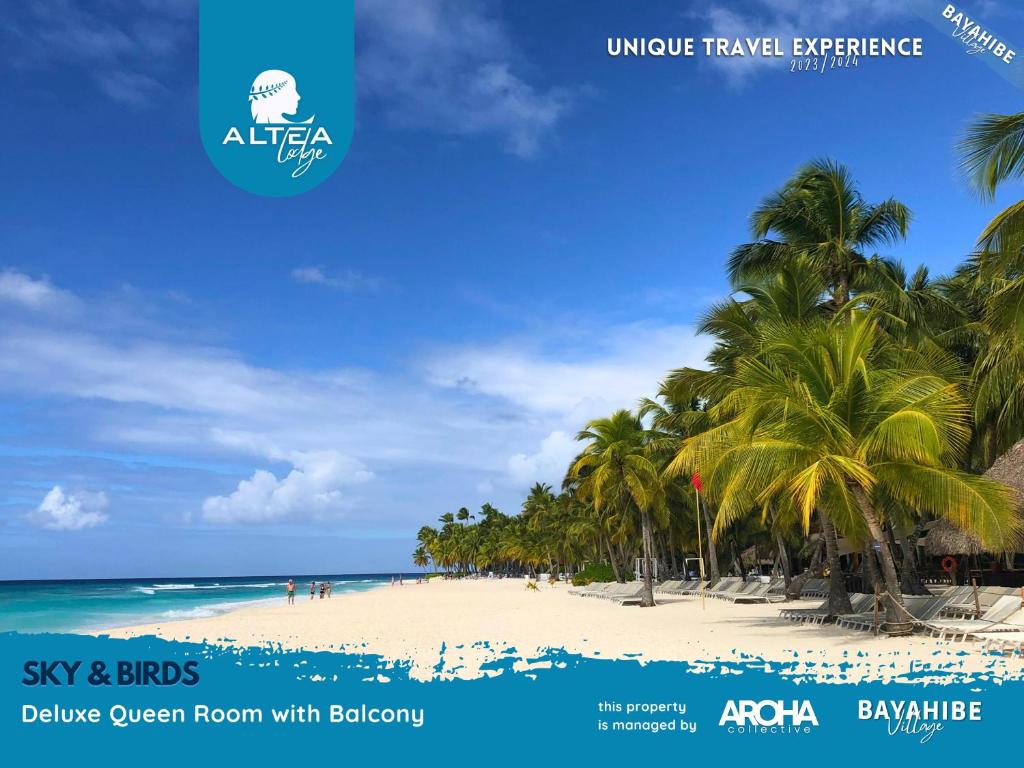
594, 572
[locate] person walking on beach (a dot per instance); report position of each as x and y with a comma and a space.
291, 592
329, 585
312, 589
323, 588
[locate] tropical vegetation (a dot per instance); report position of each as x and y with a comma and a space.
845, 401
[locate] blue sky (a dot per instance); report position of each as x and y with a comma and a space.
195, 380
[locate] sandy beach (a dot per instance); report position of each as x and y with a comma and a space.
450, 628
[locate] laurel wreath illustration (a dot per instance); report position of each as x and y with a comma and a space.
266, 91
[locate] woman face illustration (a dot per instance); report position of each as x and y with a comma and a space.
274, 95
288, 99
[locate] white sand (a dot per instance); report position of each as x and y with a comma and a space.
476, 621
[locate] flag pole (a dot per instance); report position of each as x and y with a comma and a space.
700, 549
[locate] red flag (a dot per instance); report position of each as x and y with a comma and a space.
695, 480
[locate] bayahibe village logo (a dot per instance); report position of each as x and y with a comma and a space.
975, 37
274, 104
769, 716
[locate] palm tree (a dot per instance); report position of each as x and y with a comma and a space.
822, 227
793, 295
678, 415
617, 472
420, 558
819, 215
839, 417
992, 152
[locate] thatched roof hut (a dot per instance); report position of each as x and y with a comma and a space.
1009, 469
944, 538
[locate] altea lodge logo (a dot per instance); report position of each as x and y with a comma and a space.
276, 92
295, 144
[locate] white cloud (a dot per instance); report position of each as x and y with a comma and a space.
59, 511
608, 369
349, 281
18, 288
548, 464
451, 66
456, 421
558, 391
314, 488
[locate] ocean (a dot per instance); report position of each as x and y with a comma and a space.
68, 606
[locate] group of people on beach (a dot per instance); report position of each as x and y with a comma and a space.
325, 589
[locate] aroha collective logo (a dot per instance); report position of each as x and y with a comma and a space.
276, 93
296, 144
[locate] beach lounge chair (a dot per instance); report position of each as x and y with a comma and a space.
669, 587
725, 584
966, 608
1006, 643
816, 615
993, 620
920, 607
615, 590
631, 596
860, 603
760, 594
815, 588
588, 589
743, 588
690, 587
602, 589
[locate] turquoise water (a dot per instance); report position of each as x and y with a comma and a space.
66, 606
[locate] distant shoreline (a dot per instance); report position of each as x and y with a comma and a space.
285, 576
88, 605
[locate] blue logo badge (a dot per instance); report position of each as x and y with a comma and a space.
276, 91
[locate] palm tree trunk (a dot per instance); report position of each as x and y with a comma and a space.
910, 583
796, 585
662, 556
838, 597
869, 569
612, 560
896, 622
737, 561
910, 578
787, 568
712, 572
623, 557
647, 600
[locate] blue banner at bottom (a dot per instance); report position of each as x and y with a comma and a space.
152, 702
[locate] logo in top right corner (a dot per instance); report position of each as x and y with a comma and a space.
975, 37
769, 716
